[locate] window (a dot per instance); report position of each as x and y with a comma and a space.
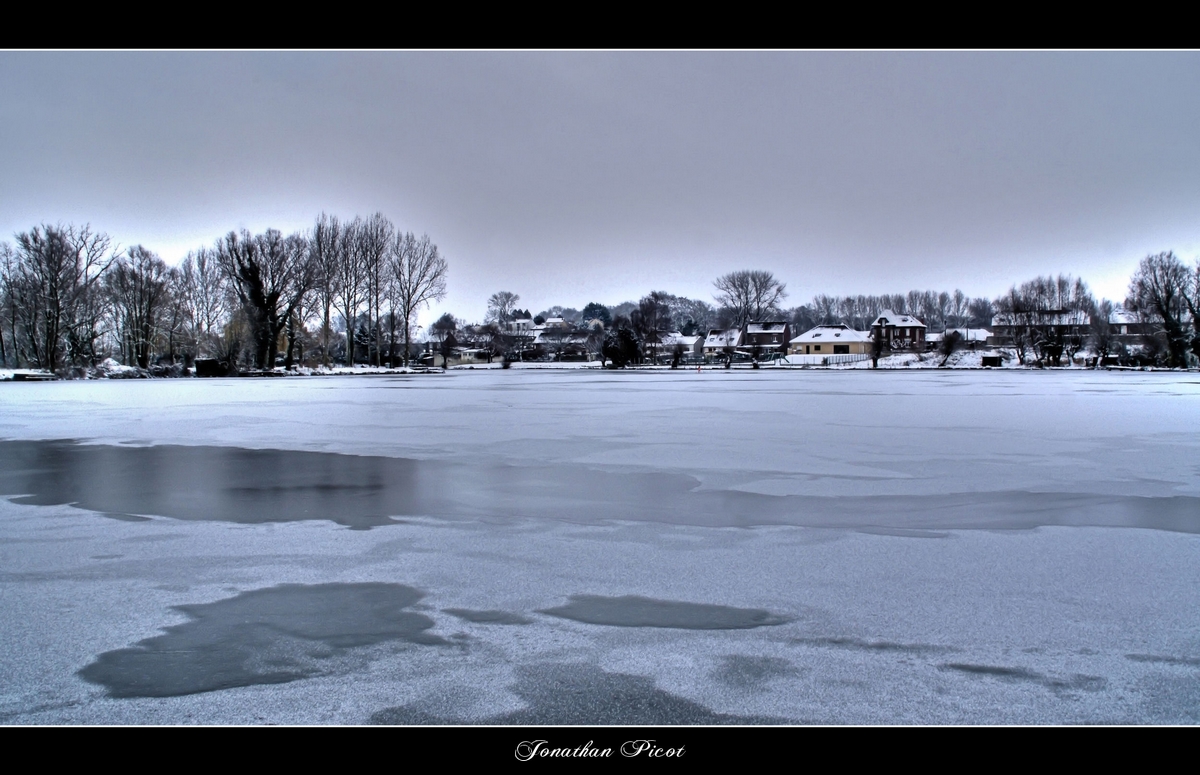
817, 348
841, 349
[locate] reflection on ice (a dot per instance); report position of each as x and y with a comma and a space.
362, 491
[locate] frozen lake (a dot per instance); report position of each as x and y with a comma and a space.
591, 547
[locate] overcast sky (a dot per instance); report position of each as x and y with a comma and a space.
577, 177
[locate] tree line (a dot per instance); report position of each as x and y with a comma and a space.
1043, 319
69, 298
349, 291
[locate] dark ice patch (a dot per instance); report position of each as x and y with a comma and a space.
1072, 683
746, 672
1154, 658
207, 483
636, 611
488, 617
900, 532
584, 695
1011, 673
363, 491
264, 636
860, 644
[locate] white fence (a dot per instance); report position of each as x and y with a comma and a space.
822, 360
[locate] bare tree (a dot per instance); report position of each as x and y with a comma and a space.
137, 288
325, 244
8, 272
1157, 291
980, 312
691, 316
650, 320
825, 309
1100, 335
749, 294
914, 304
207, 298
500, 307
1049, 314
958, 308
420, 278
177, 322
375, 235
443, 332
350, 280
270, 274
1191, 299
57, 291
1013, 308
595, 340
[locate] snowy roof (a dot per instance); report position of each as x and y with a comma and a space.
765, 327
1120, 317
674, 338
889, 318
723, 337
838, 333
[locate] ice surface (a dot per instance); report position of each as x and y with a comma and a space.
930, 547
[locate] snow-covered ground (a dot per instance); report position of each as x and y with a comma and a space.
581, 546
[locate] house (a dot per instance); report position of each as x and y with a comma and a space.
1052, 324
519, 327
1130, 328
722, 340
664, 348
831, 340
971, 337
899, 332
767, 337
562, 343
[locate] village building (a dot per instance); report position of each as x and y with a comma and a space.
971, 337
561, 343
767, 337
899, 332
519, 327
722, 340
831, 340
1129, 328
664, 348
1056, 324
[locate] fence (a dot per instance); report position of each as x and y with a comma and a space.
823, 360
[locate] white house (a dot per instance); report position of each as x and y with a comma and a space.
839, 339
667, 342
720, 338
